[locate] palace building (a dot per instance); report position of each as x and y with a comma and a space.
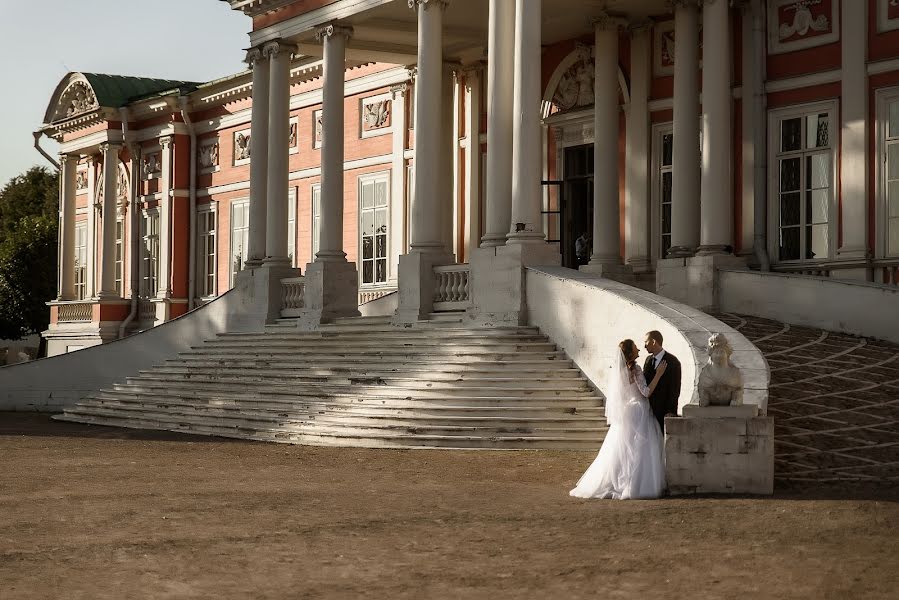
425, 160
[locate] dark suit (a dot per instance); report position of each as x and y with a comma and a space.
664, 398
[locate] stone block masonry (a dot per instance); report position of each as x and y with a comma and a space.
715, 455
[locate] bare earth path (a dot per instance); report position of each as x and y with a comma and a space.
92, 512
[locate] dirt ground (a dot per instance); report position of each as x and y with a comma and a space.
92, 512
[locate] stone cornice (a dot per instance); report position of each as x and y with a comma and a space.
255, 8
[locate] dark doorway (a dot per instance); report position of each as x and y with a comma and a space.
577, 201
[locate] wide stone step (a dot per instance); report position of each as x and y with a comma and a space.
436, 372
331, 362
363, 387
588, 442
393, 332
404, 380
397, 356
191, 394
325, 346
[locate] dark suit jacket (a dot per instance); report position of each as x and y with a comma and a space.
664, 399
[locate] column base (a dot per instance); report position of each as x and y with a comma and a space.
491, 240
417, 282
715, 250
680, 252
276, 262
498, 295
260, 293
332, 291
693, 280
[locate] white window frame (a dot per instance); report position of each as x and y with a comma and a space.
883, 98
120, 256
316, 216
80, 275
245, 237
370, 178
775, 117
207, 240
659, 130
292, 226
148, 261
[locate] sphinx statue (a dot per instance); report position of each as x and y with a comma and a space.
720, 383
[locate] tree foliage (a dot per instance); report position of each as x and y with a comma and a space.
28, 252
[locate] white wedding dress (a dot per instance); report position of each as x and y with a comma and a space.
630, 463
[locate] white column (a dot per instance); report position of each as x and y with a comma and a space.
110, 176
334, 39
93, 205
853, 132
685, 188
636, 178
448, 187
500, 98
747, 119
68, 168
426, 212
278, 54
526, 221
258, 156
164, 286
472, 185
606, 214
716, 218
398, 126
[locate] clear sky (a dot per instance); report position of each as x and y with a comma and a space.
43, 40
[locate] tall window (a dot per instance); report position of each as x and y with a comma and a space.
666, 174
804, 176
119, 256
316, 218
240, 235
292, 226
80, 259
206, 251
891, 162
150, 254
373, 215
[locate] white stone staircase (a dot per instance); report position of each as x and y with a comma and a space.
363, 382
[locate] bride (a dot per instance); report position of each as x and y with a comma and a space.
629, 464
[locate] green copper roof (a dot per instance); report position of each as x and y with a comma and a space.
114, 91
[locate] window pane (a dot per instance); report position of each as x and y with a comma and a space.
789, 243
381, 221
666, 245
817, 171
893, 237
381, 193
894, 118
818, 241
789, 209
368, 223
789, 175
816, 131
791, 135
381, 246
816, 210
666, 186
367, 248
381, 270
667, 149
666, 219
893, 198
368, 195
893, 161
367, 272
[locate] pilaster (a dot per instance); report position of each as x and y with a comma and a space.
472, 159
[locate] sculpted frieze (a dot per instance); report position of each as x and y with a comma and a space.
575, 88
208, 155
76, 99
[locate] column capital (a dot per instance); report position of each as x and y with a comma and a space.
426, 4
639, 27
64, 158
253, 56
165, 141
673, 4
110, 147
605, 21
399, 89
332, 29
276, 47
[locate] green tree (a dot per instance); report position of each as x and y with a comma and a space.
28, 252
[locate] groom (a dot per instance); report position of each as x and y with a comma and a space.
664, 398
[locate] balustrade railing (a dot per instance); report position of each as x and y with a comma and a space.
367, 295
452, 287
146, 310
885, 270
75, 312
293, 296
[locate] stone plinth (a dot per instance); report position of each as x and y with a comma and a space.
332, 291
259, 291
693, 280
723, 454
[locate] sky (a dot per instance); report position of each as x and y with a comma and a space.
43, 40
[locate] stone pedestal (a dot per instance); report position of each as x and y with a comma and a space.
615, 272
497, 282
417, 282
693, 280
332, 291
260, 293
719, 450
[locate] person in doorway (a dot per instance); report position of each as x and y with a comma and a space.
582, 249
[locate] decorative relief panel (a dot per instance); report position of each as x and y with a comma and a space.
241, 147
76, 99
317, 128
663, 48
81, 180
375, 115
208, 154
575, 87
151, 165
887, 15
799, 24
293, 135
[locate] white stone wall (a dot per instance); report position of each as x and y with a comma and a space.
852, 307
587, 317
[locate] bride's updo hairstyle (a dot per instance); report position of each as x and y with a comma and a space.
628, 349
